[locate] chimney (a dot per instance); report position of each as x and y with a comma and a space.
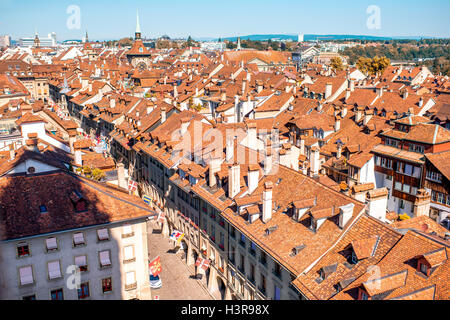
184, 125
230, 150
223, 95
72, 139
337, 124
347, 95
319, 107
268, 161
234, 180
358, 115
405, 95
328, 90
267, 202
344, 111
12, 153
422, 203
302, 145
352, 85
253, 177
244, 85
339, 150
377, 206
314, 161
78, 158
259, 86
175, 91
252, 136
380, 92
367, 117
121, 176
421, 102
90, 86
214, 167
163, 115
32, 142
346, 213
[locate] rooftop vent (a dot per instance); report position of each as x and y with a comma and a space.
271, 230
297, 250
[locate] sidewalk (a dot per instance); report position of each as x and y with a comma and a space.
175, 275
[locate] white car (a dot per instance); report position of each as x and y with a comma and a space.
155, 282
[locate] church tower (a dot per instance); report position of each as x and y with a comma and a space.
137, 35
139, 56
37, 42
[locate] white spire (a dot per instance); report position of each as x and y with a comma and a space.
138, 26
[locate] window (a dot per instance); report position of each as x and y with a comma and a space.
129, 254
78, 239
26, 275
406, 188
398, 185
424, 269
83, 291
277, 293
364, 296
263, 259
277, 270
57, 294
127, 231
106, 285
43, 209
23, 250
408, 169
51, 244
105, 260
130, 280
262, 287
102, 234
81, 263
434, 176
54, 270
354, 258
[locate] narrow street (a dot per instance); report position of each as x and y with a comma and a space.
176, 276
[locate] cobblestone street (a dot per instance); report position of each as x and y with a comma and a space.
177, 283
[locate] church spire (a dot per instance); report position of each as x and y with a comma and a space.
87, 38
137, 35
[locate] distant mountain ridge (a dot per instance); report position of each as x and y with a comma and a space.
314, 37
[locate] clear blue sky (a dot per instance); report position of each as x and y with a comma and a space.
114, 19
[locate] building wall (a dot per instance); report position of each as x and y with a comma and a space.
66, 253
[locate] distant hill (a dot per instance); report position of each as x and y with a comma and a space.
314, 37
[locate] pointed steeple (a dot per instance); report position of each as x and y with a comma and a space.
87, 38
138, 27
37, 42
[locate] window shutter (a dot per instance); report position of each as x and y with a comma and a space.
129, 254
26, 275
54, 270
103, 234
130, 278
78, 238
80, 261
104, 258
51, 244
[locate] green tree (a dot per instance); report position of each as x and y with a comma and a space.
98, 174
337, 64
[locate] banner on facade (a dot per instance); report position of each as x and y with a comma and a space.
202, 264
132, 185
155, 266
147, 199
177, 236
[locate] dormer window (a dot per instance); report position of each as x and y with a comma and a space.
353, 258
423, 268
43, 209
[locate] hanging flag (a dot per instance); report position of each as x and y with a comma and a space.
132, 185
147, 199
161, 217
202, 263
177, 236
155, 266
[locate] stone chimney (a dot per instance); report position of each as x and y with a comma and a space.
175, 91
352, 85
252, 136
379, 92
163, 115
337, 124
78, 157
421, 102
184, 125
214, 167
268, 161
234, 180
377, 203
112, 103
422, 203
358, 114
267, 202
347, 95
229, 153
32, 142
345, 214
253, 177
121, 176
344, 111
367, 117
244, 85
328, 90
314, 161
72, 139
